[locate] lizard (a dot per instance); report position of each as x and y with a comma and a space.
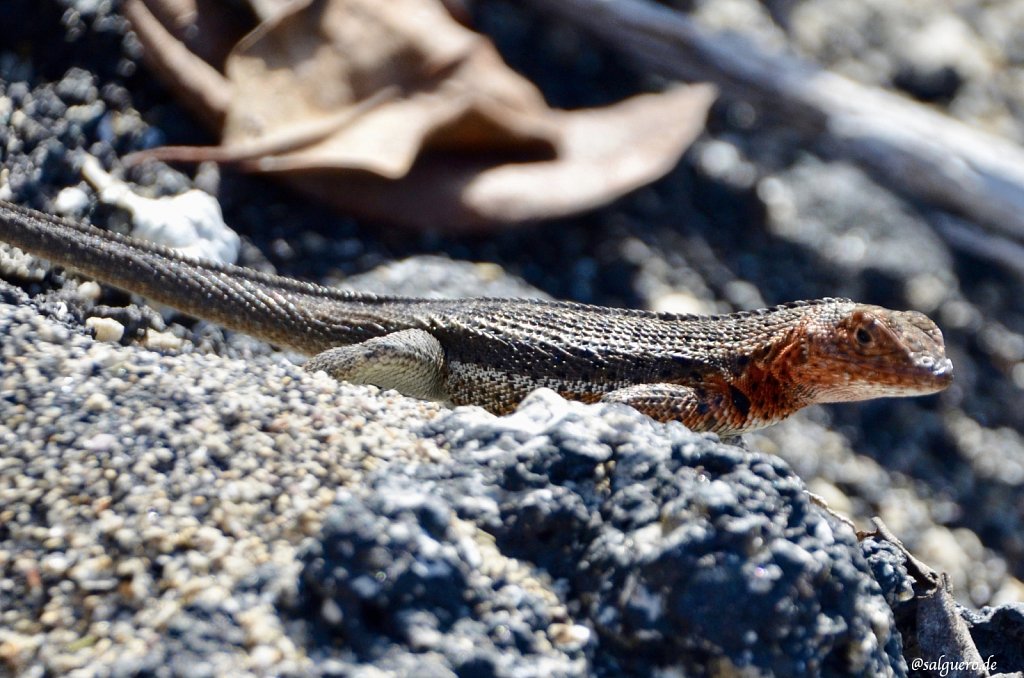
727, 373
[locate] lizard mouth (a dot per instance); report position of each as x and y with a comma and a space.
924, 375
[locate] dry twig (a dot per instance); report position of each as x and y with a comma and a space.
916, 150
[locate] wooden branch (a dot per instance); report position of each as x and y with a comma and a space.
970, 239
907, 146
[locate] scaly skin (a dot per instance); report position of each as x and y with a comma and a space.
726, 373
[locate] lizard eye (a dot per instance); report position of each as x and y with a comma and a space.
866, 334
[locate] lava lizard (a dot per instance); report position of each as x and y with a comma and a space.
723, 373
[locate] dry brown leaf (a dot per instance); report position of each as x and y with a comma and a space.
330, 54
604, 153
199, 86
460, 143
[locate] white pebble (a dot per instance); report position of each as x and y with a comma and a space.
105, 329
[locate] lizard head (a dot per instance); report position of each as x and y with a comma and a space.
862, 352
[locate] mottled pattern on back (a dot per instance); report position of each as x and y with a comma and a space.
583, 351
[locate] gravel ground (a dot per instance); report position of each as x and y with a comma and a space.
152, 506
194, 515
162, 507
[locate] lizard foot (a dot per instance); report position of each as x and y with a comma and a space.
699, 409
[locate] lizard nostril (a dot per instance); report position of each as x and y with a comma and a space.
943, 371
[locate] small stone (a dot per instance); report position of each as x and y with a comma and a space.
90, 289
569, 636
162, 341
54, 564
263, 656
71, 201
105, 329
97, 402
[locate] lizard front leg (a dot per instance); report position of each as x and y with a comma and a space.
409, 361
719, 408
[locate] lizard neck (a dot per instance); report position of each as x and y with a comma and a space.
772, 382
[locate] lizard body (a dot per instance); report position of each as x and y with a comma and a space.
724, 373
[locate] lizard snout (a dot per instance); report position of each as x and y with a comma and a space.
942, 370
